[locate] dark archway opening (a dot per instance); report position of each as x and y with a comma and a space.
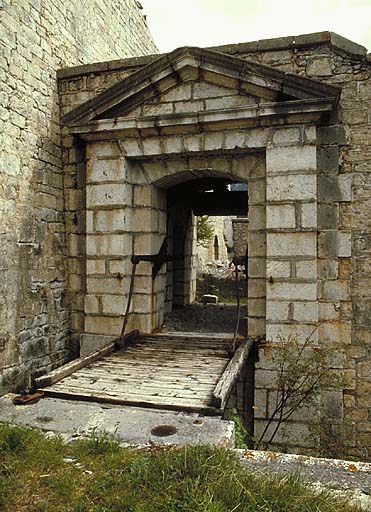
215, 198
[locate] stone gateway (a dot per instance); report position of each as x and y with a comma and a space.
143, 138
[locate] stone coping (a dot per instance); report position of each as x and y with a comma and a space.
264, 45
351, 479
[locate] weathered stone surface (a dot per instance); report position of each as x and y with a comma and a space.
328, 159
294, 188
130, 425
291, 244
291, 158
281, 216
32, 204
335, 188
299, 158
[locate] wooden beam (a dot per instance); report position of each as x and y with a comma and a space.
230, 375
185, 406
69, 368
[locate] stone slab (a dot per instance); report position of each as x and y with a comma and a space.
351, 479
130, 425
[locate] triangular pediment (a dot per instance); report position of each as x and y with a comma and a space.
206, 79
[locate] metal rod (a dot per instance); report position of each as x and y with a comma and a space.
238, 309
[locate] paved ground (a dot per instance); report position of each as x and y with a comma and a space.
213, 318
131, 425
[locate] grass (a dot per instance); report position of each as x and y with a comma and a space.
40, 474
240, 432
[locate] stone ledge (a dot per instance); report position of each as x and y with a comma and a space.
264, 45
132, 426
348, 477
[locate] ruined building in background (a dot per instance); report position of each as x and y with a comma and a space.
289, 117
215, 248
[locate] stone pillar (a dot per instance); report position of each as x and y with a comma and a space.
109, 198
256, 270
291, 264
292, 306
334, 274
124, 216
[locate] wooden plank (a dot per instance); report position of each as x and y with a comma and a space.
161, 366
152, 367
171, 362
186, 345
65, 370
139, 354
185, 338
230, 375
151, 385
178, 352
181, 347
158, 376
120, 388
187, 407
189, 400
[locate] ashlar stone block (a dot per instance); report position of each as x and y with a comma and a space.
291, 244
292, 291
106, 195
291, 158
277, 310
299, 331
278, 268
109, 221
309, 215
142, 195
306, 269
109, 326
95, 267
336, 290
305, 311
286, 136
334, 244
108, 245
113, 304
91, 304
102, 149
101, 171
335, 188
281, 216
298, 187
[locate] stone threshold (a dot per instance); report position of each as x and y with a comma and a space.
131, 426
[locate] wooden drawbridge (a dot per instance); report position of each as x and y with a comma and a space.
180, 371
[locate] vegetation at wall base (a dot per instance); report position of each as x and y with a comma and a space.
43, 474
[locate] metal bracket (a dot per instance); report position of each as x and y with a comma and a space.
157, 259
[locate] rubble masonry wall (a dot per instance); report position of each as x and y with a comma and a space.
36, 39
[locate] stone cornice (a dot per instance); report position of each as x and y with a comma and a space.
298, 112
